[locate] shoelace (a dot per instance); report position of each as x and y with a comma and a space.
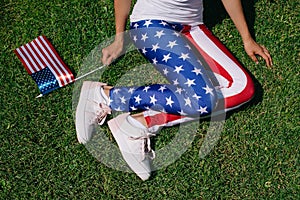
102, 113
146, 148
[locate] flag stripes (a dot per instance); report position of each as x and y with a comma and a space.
39, 54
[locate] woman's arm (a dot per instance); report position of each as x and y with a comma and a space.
235, 11
122, 9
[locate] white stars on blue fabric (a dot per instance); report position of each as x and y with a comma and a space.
144, 37
146, 89
172, 44
167, 57
147, 23
184, 56
153, 100
162, 88
45, 80
117, 90
155, 47
190, 91
189, 82
165, 71
178, 69
159, 34
202, 110
136, 25
131, 90
208, 90
134, 38
137, 99
179, 90
197, 71
175, 82
169, 101
123, 100
144, 51
154, 61
188, 102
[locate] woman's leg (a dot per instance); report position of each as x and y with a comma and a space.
190, 92
234, 83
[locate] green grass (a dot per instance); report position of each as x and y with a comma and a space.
257, 156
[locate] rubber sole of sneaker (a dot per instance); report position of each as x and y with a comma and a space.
81, 108
80, 111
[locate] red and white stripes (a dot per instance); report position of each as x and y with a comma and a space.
236, 85
240, 87
38, 54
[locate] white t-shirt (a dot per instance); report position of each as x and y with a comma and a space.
188, 12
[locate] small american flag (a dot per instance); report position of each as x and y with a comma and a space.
44, 65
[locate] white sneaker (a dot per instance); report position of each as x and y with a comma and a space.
134, 144
92, 110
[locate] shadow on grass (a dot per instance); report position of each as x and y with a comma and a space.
215, 13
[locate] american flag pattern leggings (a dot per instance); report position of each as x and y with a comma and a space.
201, 71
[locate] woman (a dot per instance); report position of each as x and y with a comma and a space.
171, 35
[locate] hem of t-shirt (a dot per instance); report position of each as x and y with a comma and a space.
183, 22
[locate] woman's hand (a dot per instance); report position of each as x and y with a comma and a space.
252, 49
235, 11
113, 51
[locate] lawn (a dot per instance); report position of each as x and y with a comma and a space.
256, 156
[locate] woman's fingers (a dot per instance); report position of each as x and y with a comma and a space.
253, 57
111, 52
265, 54
254, 49
268, 55
107, 57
